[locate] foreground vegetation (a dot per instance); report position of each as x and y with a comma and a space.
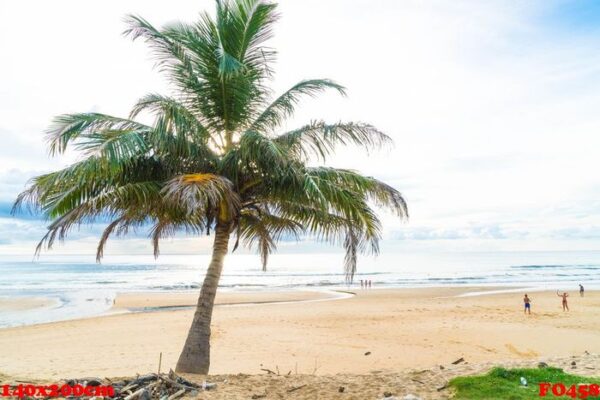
501, 383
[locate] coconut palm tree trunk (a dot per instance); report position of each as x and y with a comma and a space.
195, 356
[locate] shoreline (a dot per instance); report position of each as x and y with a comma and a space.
155, 301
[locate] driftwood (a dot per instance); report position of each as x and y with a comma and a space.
177, 394
293, 389
268, 371
139, 394
159, 386
458, 361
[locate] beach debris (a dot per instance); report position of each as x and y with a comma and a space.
387, 395
136, 394
460, 360
523, 381
148, 387
411, 396
268, 371
293, 389
145, 395
90, 381
573, 363
442, 367
368, 353
177, 394
542, 364
341, 389
317, 366
444, 386
259, 396
208, 386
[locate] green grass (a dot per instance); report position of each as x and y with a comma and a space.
505, 384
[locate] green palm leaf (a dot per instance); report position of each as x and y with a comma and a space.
284, 106
319, 138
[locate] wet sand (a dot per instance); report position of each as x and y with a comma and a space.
24, 303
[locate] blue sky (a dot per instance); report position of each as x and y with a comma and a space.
571, 16
493, 107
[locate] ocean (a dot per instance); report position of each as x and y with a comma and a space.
79, 287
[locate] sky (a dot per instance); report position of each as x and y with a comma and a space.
493, 108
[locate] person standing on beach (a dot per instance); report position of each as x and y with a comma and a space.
581, 290
527, 302
564, 296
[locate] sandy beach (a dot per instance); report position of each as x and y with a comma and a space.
375, 331
24, 303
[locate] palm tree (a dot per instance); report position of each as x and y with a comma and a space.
215, 160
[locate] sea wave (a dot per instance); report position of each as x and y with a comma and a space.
568, 266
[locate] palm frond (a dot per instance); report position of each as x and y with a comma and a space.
284, 106
381, 193
319, 139
115, 146
177, 129
109, 230
69, 127
93, 183
255, 148
171, 55
335, 229
167, 225
351, 257
243, 27
264, 230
